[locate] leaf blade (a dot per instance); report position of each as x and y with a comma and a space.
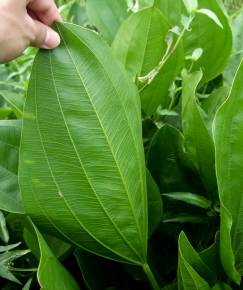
227, 126
96, 167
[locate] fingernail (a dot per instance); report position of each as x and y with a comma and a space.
52, 39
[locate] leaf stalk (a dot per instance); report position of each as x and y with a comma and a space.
153, 282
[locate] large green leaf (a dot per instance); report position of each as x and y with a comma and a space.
82, 171
205, 34
198, 141
227, 130
193, 273
140, 45
107, 16
10, 199
51, 273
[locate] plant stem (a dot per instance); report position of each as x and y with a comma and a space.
154, 284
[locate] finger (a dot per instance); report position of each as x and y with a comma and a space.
45, 10
44, 36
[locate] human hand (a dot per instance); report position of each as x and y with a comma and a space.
26, 23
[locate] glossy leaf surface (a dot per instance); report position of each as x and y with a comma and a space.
140, 45
228, 126
190, 198
82, 171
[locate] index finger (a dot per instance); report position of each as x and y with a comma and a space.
45, 10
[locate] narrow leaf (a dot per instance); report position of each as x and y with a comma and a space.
28, 284
190, 198
192, 272
210, 14
186, 218
237, 55
9, 247
198, 141
4, 235
51, 274
228, 138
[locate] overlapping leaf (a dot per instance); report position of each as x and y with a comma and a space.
51, 273
237, 27
140, 45
193, 273
204, 33
228, 126
198, 141
82, 171
211, 38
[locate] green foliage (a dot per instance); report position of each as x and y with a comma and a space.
141, 45
198, 141
228, 126
126, 145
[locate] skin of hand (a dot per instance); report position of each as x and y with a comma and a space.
26, 23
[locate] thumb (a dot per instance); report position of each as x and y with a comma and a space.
45, 37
